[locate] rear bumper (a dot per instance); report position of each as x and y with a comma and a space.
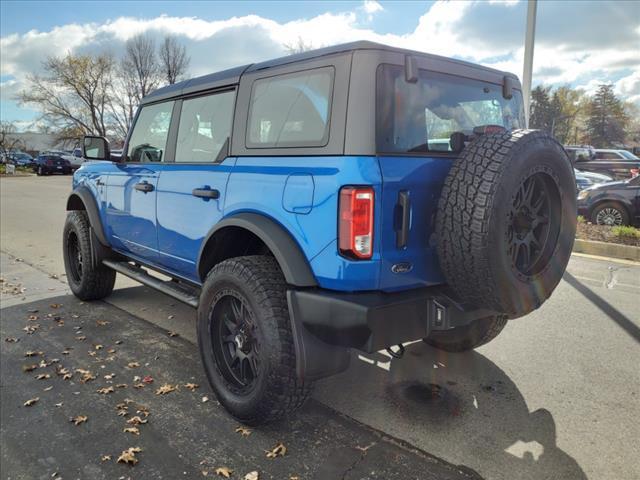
328, 323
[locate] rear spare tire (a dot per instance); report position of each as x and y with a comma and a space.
506, 221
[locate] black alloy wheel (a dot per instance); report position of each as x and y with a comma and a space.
235, 341
534, 224
74, 254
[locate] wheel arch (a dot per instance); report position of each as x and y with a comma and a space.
247, 233
82, 199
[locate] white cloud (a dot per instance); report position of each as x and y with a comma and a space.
478, 32
371, 7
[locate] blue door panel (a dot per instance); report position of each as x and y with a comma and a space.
183, 219
130, 213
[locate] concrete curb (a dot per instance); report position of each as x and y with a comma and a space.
605, 249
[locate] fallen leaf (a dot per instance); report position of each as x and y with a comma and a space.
11, 340
77, 420
147, 379
33, 318
191, 386
245, 432
55, 305
136, 421
294, 477
32, 354
31, 328
172, 334
102, 323
66, 376
109, 376
31, 401
48, 388
121, 385
92, 353
105, 390
133, 430
43, 376
81, 338
59, 404
224, 472
205, 399
122, 413
136, 378
118, 342
44, 364
278, 451
98, 347
87, 376
66, 352
138, 385
29, 368
111, 350
133, 364
164, 389
129, 455
251, 476
105, 458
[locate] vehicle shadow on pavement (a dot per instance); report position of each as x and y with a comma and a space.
460, 407
609, 310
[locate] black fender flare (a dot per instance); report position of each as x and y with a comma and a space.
285, 249
80, 197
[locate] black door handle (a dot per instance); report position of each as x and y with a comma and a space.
403, 207
205, 193
99, 182
144, 187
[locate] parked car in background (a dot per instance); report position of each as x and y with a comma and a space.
76, 158
19, 159
616, 203
588, 179
46, 164
616, 165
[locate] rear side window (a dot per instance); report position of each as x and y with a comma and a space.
291, 110
148, 140
422, 116
205, 126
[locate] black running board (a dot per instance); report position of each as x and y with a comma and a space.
181, 292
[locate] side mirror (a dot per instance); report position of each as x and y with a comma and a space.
95, 148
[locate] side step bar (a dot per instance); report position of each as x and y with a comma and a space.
183, 293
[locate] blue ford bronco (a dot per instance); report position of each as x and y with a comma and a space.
353, 197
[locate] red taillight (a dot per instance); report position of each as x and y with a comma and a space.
355, 230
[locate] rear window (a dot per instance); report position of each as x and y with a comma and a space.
422, 116
291, 110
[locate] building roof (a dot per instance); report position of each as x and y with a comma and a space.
232, 76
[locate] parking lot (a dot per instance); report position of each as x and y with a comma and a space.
554, 396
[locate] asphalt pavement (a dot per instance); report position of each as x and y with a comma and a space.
555, 396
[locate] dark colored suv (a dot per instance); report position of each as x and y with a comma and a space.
354, 197
616, 203
49, 164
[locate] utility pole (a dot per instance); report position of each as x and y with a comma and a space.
529, 39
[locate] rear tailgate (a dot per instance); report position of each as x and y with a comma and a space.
419, 180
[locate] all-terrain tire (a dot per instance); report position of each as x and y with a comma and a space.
468, 337
495, 247
257, 283
89, 282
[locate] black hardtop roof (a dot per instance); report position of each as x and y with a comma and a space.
232, 75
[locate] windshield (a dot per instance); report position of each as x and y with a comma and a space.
628, 155
421, 116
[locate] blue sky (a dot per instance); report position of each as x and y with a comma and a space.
580, 43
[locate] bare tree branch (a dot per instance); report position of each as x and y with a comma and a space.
141, 63
174, 60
